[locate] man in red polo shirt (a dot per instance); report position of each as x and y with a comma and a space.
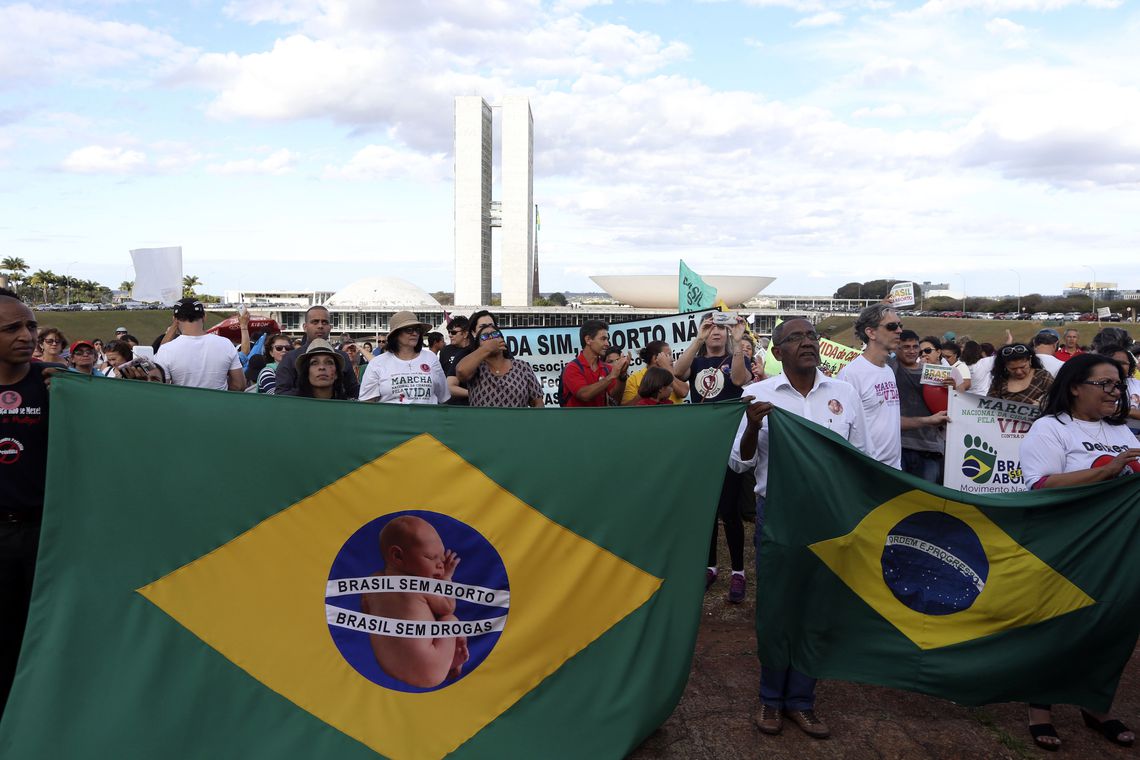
586, 380
1072, 346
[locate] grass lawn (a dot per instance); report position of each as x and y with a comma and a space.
144, 325
841, 329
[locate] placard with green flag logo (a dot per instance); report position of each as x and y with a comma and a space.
693, 293
294, 578
868, 574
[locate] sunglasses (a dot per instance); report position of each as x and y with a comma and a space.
926, 350
1018, 350
892, 326
284, 347
52, 341
490, 335
455, 332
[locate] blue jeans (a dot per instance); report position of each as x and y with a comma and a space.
927, 467
782, 688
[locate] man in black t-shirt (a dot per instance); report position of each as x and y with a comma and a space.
449, 356
23, 472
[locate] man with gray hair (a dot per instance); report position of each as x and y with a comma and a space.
879, 328
1045, 345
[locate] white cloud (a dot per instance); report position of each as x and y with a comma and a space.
99, 159
37, 45
882, 70
276, 163
827, 18
1010, 33
889, 111
378, 162
1012, 6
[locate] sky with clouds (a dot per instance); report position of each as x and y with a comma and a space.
304, 143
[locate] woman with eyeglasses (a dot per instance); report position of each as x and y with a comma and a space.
1018, 375
716, 369
276, 346
1080, 438
406, 373
1127, 362
492, 376
52, 343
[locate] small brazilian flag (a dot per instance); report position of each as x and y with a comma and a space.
868, 574
232, 575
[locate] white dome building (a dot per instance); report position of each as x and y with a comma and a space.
382, 294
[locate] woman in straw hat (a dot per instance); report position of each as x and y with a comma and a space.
407, 373
319, 371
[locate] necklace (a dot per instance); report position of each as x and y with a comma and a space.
499, 371
1096, 432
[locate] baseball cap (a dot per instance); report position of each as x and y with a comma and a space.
189, 310
78, 343
120, 329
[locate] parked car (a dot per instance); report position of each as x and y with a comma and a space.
1088, 316
1039, 315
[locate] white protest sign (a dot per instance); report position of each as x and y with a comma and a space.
983, 443
1103, 312
158, 274
902, 294
936, 374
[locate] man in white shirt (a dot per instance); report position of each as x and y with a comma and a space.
802, 389
879, 327
1045, 345
197, 359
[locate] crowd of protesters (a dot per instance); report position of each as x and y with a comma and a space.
878, 402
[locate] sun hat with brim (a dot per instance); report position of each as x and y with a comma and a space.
316, 347
403, 319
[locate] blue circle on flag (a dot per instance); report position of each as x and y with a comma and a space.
934, 563
368, 608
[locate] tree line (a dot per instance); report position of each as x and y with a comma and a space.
45, 286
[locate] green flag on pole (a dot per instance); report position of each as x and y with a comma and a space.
872, 575
295, 578
693, 293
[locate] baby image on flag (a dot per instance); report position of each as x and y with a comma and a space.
398, 613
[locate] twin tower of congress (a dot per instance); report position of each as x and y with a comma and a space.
475, 213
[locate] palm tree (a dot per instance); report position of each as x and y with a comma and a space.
15, 267
189, 282
42, 279
127, 285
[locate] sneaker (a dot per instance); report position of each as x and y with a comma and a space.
769, 719
710, 578
810, 724
736, 589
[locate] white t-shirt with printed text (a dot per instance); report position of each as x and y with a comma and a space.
1056, 445
199, 361
880, 395
392, 380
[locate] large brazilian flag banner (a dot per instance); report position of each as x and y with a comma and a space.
227, 575
868, 574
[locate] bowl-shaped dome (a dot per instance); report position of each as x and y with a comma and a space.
659, 291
